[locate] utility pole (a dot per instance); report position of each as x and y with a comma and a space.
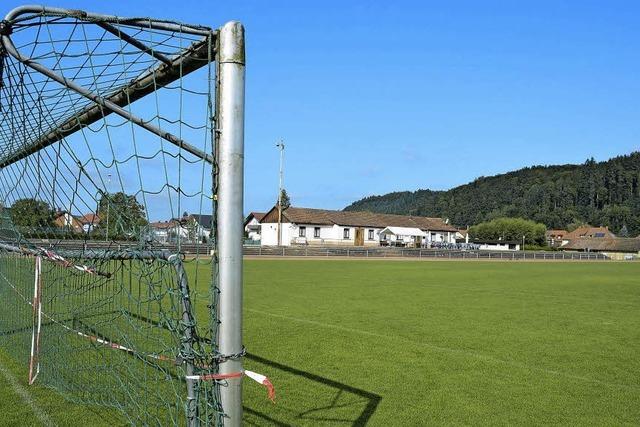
106, 233
280, 146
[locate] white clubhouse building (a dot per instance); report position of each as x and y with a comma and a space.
304, 226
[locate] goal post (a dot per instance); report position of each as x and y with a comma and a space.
121, 183
231, 64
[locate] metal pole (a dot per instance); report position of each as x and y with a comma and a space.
230, 125
280, 145
106, 233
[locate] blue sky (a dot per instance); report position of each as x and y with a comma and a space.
372, 97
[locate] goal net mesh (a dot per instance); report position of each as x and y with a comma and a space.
107, 222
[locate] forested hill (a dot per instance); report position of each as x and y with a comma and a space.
604, 193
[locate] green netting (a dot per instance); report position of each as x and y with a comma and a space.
116, 205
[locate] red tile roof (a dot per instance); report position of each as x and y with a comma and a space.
160, 225
588, 231
89, 218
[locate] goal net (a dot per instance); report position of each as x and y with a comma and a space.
120, 191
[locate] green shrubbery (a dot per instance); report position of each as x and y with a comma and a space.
510, 229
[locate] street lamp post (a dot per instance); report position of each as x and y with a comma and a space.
280, 146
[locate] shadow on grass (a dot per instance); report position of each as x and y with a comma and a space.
338, 410
371, 400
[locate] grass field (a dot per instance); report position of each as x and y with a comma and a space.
422, 343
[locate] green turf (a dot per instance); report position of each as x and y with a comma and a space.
423, 343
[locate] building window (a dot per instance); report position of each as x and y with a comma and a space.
370, 234
302, 232
316, 232
346, 233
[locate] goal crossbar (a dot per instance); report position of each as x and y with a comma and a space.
169, 70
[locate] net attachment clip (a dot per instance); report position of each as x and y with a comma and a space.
221, 358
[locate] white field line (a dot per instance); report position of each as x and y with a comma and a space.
475, 355
26, 397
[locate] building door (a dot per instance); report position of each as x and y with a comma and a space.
359, 238
418, 241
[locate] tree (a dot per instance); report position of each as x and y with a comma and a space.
510, 229
121, 216
190, 224
624, 232
284, 199
599, 193
32, 213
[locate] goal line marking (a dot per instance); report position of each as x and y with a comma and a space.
26, 397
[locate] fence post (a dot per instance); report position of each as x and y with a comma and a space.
230, 141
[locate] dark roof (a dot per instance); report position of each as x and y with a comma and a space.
604, 244
355, 219
256, 215
205, 221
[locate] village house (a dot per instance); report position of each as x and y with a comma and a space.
66, 221
191, 228
554, 238
166, 231
89, 222
252, 225
613, 247
587, 232
304, 226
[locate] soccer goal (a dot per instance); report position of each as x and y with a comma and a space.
121, 191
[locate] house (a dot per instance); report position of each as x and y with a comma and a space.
166, 231
64, 220
305, 226
587, 231
191, 228
613, 247
198, 227
89, 222
554, 238
462, 235
252, 225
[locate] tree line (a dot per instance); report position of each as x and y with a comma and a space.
598, 193
120, 215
